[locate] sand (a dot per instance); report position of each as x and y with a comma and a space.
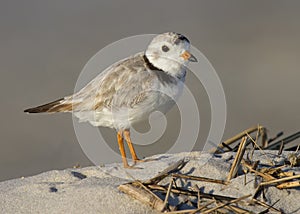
94, 189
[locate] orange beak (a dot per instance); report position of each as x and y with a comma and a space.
188, 56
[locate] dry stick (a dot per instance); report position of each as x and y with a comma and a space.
228, 147
256, 138
237, 159
142, 195
197, 178
264, 175
236, 209
168, 194
266, 205
277, 171
235, 138
281, 148
181, 211
272, 205
289, 185
264, 137
258, 133
261, 150
279, 180
199, 198
286, 174
273, 169
174, 182
171, 169
221, 209
188, 192
202, 207
257, 192
191, 211
139, 183
228, 203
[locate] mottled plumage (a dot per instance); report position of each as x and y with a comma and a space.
131, 89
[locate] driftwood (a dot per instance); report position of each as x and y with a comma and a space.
141, 192
143, 195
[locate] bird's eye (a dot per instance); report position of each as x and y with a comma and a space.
165, 48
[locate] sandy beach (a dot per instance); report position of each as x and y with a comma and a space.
95, 189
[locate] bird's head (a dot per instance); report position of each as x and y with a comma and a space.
170, 52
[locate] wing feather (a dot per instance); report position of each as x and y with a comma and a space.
116, 87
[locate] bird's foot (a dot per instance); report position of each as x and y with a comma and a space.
132, 167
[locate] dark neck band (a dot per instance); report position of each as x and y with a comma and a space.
150, 65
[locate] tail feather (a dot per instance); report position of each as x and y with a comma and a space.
55, 106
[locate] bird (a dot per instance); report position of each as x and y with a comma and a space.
131, 89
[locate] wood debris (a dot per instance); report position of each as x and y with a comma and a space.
158, 195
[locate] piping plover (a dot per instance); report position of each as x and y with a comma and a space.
131, 89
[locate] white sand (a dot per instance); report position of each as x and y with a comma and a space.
98, 193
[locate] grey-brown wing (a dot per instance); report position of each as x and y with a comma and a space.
122, 84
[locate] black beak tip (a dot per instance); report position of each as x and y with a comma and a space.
193, 59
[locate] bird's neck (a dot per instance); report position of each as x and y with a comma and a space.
150, 65
166, 65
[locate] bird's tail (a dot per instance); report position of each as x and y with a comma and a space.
59, 105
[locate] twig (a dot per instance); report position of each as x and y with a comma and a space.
168, 194
182, 191
264, 175
197, 178
171, 169
191, 211
260, 149
228, 203
202, 207
285, 141
199, 197
268, 209
236, 209
226, 146
289, 185
237, 159
261, 203
281, 148
264, 137
286, 174
235, 138
279, 180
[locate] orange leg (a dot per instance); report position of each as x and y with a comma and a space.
131, 148
122, 149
